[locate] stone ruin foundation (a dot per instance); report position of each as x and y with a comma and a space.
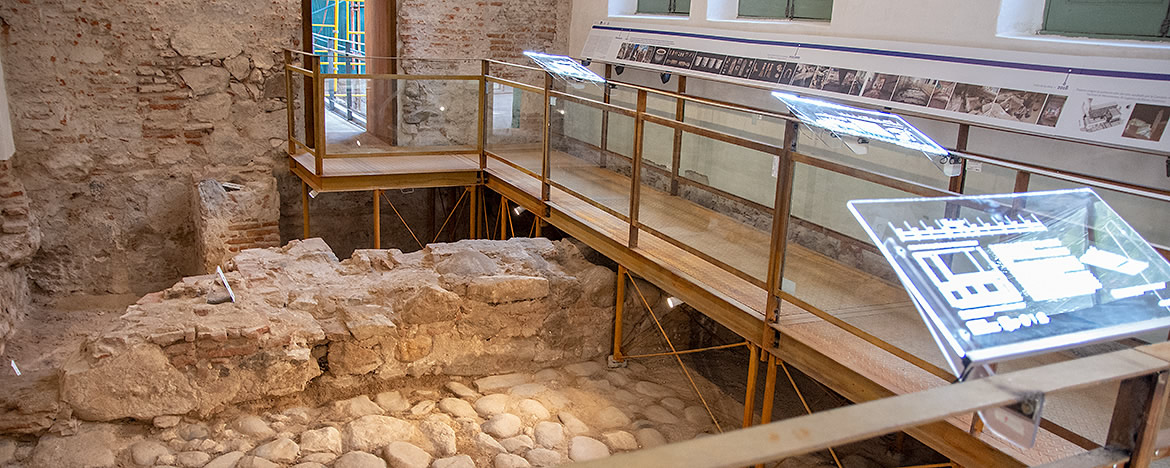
475, 353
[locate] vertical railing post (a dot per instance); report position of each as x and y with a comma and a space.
1137, 417
290, 103
781, 212
348, 87
605, 114
679, 115
959, 182
1021, 186
332, 58
545, 154
319, 116
482, 122
636, 168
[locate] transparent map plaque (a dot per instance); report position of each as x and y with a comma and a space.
1004, 276
868, 125
565, 68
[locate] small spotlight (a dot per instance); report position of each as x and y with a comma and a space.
673, 302
313, 193
586, 62
665, 78
442, 108
359, 143
519, 210
619, 69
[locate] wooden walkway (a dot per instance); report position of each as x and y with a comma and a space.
856, 367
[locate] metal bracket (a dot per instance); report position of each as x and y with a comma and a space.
615, 364
1016, 423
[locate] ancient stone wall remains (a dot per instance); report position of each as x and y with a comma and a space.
229, 220
467, 308
120, 107
19, 238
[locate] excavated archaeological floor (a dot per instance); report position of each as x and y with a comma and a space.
548, 414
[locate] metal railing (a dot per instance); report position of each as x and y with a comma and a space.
1144, 387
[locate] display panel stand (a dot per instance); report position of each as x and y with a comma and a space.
999, 277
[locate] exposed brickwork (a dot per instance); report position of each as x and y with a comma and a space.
19, 239
118, 107
231, 221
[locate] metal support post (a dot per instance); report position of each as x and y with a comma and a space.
305, 209
377, 219
1137, 417
749, 399
617, 324
636, 172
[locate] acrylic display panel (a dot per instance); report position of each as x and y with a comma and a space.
564, 68
873, 125
1004, 276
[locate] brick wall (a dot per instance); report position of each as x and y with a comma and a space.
228, 221
119, 107
19, 239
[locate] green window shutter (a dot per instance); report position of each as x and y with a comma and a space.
654, 7
663, 7
814, 9
762, 8
1111, 17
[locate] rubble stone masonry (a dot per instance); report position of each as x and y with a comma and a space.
120, 107
19, 238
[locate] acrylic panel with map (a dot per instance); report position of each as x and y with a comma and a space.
1003, 276
564, 68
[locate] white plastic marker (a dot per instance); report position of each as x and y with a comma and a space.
14, 368
225, 283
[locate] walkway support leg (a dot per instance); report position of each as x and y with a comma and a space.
474, 205
617, 323
305, 209
769, 393
749, 399
377, 219
1137, 416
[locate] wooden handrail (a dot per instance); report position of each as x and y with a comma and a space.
817, 431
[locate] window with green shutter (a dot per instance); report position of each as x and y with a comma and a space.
1137, 19
664, 7
787, 9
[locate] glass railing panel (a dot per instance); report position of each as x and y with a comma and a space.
741, 173
748, 125
581, 122
986, 179
657, 151
1149, 217
831, 264
371, 116
583, 170
620, 134
721, 210
299, 84
514, 127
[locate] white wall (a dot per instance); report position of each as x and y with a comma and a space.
1006, 25
970, 23
7, 147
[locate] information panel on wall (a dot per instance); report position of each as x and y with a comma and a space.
1005, 276
1119, 101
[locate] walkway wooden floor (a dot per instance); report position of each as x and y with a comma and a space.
848, 364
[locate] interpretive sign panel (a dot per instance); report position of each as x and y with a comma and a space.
1116, 100
1003, 276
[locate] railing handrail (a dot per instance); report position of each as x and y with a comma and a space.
789, 157
835, 427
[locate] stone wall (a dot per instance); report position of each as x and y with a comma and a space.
466, 308
229, 220
19, 238
119, 107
